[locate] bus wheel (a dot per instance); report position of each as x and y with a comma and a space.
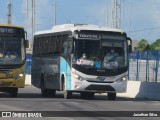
13, 92
67, 94
43, 90
111, 96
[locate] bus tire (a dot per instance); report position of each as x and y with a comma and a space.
67, 94
13, 92
43, 90
111, 96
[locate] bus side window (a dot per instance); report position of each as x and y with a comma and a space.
70, 47
64, 44
47, 44
50, 45
53, 44
64, 50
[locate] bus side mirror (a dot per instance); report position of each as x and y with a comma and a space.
129, 44
130, 48
26, 43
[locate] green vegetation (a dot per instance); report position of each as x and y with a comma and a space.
155, 45
144, 45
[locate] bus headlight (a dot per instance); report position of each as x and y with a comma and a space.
21, 75
79, 77
122, 79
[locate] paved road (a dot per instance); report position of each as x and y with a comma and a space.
30, 99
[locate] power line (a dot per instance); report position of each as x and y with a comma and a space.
145, 29
147, 34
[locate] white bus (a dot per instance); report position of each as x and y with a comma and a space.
87, 59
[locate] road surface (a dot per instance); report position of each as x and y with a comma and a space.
30, 99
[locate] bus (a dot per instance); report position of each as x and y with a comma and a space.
76, 58
12, 58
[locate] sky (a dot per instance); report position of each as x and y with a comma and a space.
141, 18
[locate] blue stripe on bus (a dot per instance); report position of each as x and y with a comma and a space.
65, 68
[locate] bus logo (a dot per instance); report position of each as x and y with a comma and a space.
101, 78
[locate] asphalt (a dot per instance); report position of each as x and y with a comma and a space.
30, 99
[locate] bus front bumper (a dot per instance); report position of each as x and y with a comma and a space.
114, 87
12, 83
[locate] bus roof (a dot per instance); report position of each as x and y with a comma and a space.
74, 27
7, 25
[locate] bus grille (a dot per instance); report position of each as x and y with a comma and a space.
98, 81
100, 87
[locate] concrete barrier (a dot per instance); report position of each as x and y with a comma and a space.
145, 90
28, 80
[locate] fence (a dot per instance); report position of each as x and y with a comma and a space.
28, 63
144, 66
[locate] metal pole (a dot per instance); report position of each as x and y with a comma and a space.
107, 13
54, 12
105, 17
137, 77
147, 66
32, 18
9, 14
26, 15
128, 68
33, 15
157, 64
34, 22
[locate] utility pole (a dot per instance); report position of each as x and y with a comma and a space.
33, 17
116, 13
54, 12
27, 15
9, 13
106, 14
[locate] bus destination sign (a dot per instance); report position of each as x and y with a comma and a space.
13, 31
86, 36
5, 30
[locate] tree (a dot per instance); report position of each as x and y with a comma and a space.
155, 45
143, 45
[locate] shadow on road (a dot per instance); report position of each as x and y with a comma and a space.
75, 96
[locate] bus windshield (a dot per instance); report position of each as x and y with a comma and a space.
101, 54
12, 51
